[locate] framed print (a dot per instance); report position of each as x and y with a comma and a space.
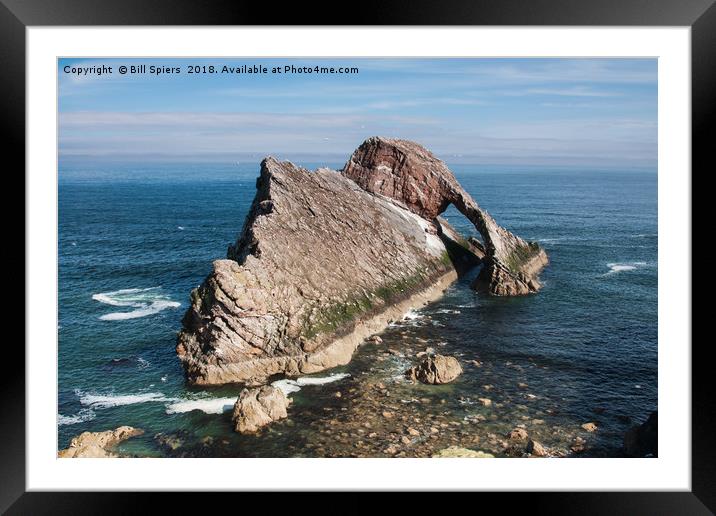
359, 257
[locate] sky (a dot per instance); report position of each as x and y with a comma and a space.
558, 112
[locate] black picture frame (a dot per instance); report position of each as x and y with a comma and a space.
700, 15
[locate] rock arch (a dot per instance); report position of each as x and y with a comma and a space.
410, 174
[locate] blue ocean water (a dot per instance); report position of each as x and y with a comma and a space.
134, 240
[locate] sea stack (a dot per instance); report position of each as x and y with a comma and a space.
326, 259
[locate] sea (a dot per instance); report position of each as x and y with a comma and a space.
134, 240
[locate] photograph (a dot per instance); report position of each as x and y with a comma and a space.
359, 257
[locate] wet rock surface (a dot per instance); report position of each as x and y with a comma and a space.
98, 444
436, 369
380, 413
456, 451
259, 407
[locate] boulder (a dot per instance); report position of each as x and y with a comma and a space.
98, 444
535, 448
437, 369
258, 407
458, 452
590, 427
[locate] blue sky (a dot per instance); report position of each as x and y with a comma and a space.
563, 112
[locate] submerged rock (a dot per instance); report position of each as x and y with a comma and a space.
170, 442
437, 369
517, 434
258, 407
643, 440
98, 444
590, 427
326, 259
578, 445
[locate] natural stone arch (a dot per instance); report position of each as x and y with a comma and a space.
413, 176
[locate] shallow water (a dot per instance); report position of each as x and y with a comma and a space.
134, 241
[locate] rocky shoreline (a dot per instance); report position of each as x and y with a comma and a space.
98, 445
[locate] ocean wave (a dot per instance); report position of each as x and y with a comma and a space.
82, 416
411, 315
447, 311
206, 405
146, 301
615, 268
288, 386
100, 401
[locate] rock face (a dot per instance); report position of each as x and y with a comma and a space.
258, 407
326, 259
405, 171
98, 444
437, 369
643, 439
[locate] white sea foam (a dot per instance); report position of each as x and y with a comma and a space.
411, 315
143, 364
82, 416
180, 228
99, 401
622, 267
321, 380
207, 405
289, 386
146, 301
126, 296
